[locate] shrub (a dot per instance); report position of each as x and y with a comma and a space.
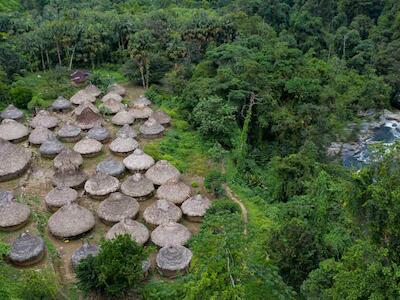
37, 102
39, 284
223, 207
101, 81
213, 182
116, 270
20, 96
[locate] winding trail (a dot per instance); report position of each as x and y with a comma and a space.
243, 208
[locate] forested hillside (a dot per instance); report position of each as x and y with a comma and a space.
266, 87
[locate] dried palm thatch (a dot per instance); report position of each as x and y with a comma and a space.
137, 186
123, 117
83, 252
161, 212
101, 185
161, 117
51, 148
61, 104
141, 112
174, 190
127, 131
173, 259
111, 96
138, 161
162, 172
14, 160
112, 106
67, 172
111, 167
6, 195
82, 96
117, 207
27, 250
142, 100
13, 131
118, 89
67, 160
69, 133
39, 135
87, 116
92, 90
99, 133
71, 221
88, 147
123, 146
151, 129
171, 233
136, 230
11, 112
195, 207
13, 215
44, 119
60, 196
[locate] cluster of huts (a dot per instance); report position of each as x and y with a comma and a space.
120, 195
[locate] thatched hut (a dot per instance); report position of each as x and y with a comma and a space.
101, 185
141, 112
162, 172
93, 90
117, 88
11, 130
161, 117
69, 133
60, 196
151, 129
99, 133
67, 171
81, 97
171, 233
136, 230
14, 160
27, 250
61, 104
13, 113
39, 135
70, 221
195, 207
112, 106
51, 148
88, 147
127, 131
122, 117
44, 119
83, 252
13, 215
68, 159
111, 96
173, 260
174, 190
162, 211
6, 195
123, 146
111, 167
137, 186
117, 207
87, 116
141, 100
138, 161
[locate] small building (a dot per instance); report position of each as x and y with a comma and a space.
79, 76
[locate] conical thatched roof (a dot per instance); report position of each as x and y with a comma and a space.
44, 119
11, 130
27, 250
161, 117
111, 167
161, 212
142, 100
51, 148
67, 160
14, 160
151, 129
100, 185
87, 116
73, 178
117, 207
13, 215
6, 195
171, 233
173, 259
11, 112
127, 131
137, 186
136, 230
91, 89
39, 135
81, 97
174, 190
70, 221
123, 145
61, 104
118, 89
162, 172
123, 117
195, 207
142, 112
69, 133
112, 106
111, 96
82, 252
138, 161
88, 147
60, 196
99, 133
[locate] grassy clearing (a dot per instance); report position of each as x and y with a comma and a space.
111, 71
9, 5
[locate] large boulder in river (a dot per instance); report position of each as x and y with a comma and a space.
44, 119
14, 160
13, 215
13, 131
27, 250
13, 113
70, 221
